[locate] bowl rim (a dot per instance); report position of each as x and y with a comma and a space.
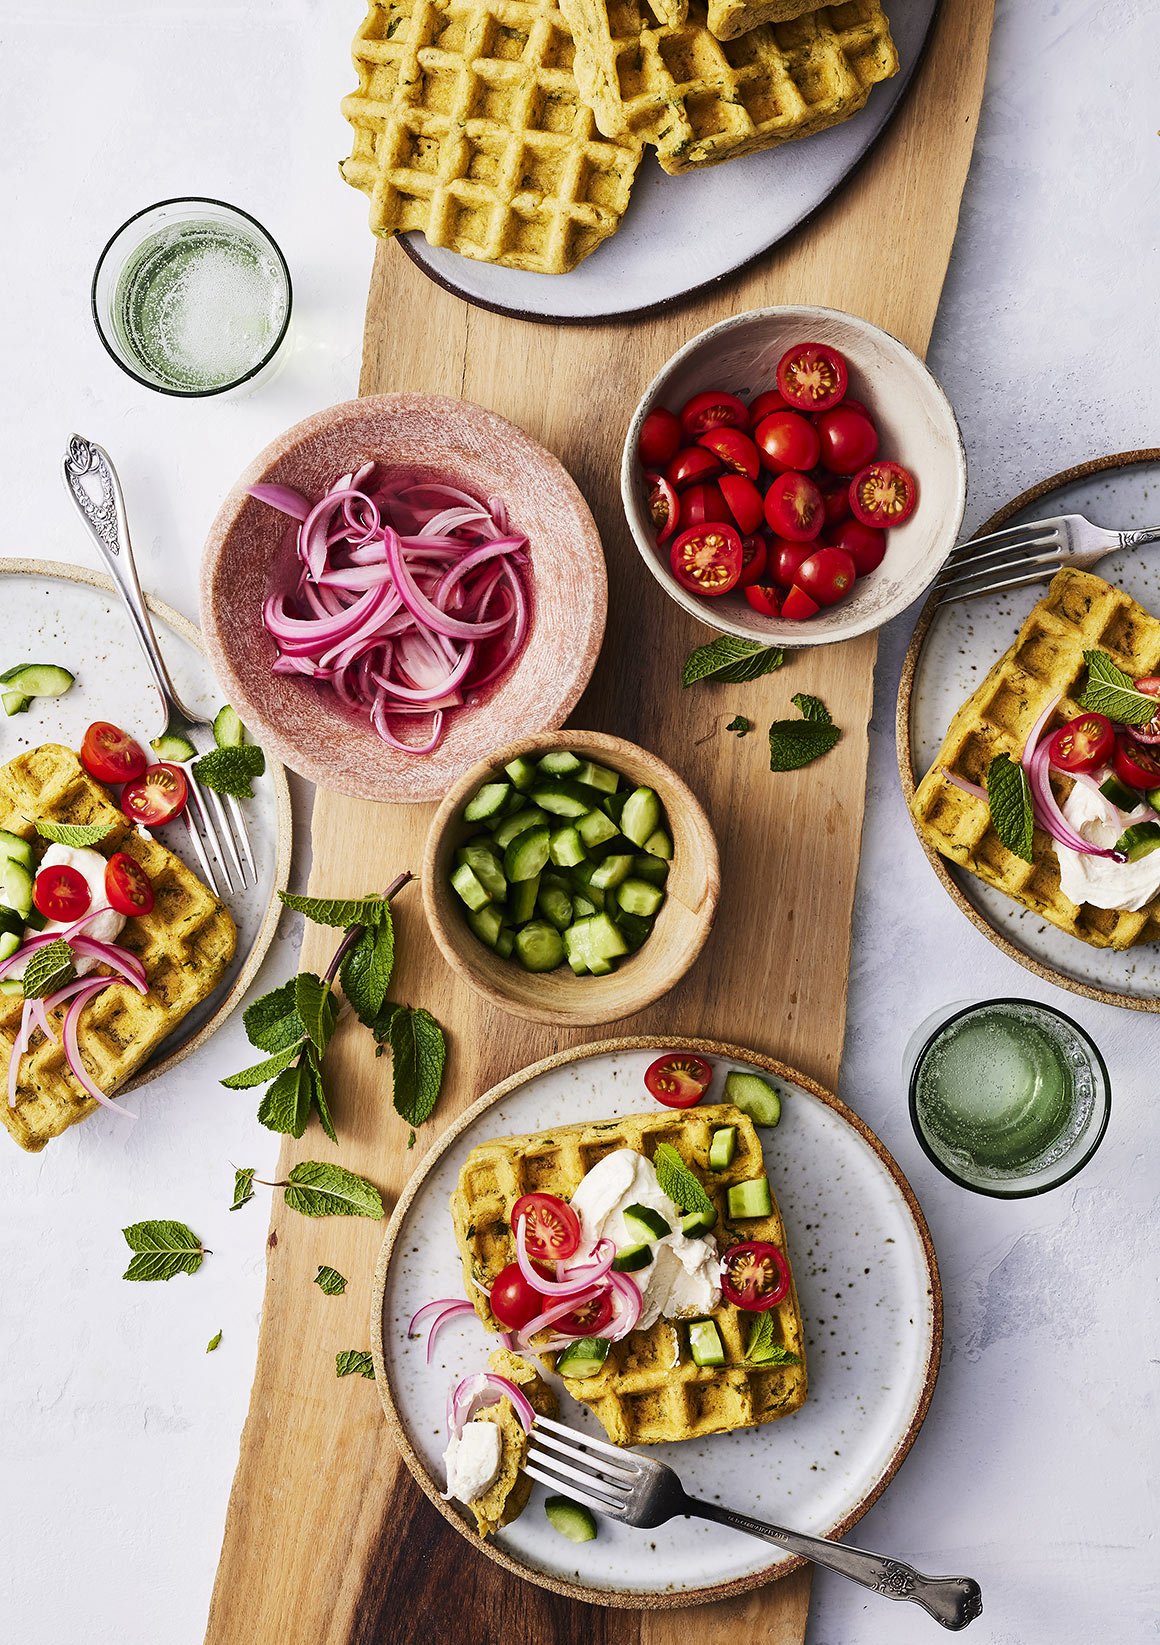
796, 635
370, 780
610, 744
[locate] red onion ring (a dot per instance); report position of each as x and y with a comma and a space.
579, 1277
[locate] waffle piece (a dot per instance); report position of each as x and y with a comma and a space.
648, 1389
469, 127
185, 945
729, 18
507, 1497
1078, 613
700, 100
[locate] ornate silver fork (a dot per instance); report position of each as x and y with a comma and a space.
1029, 553
217, 832
644, 1493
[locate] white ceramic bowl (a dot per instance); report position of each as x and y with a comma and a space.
916, 427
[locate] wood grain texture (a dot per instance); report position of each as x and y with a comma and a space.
328, 1541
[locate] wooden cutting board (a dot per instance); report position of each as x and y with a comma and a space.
328, 1540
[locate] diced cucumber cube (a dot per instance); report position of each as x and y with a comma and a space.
754, 1096
38, 679
15, 848
722, 1147
463, 881
487, 923
631, 1258
228, 730
642, 815
16, 886
9, 943
611, 872
582, 907
642, 1222
594, 828
583, 1358
639, 897
570, 1518
522, 900
598, 776
705, 1343
633, 928
562, 799
566, 848
177, 749
487, 801
559, 763
527, 855
15, 702
604, 940
696, 1223
517, 823
576, 947
539, 946
505, 942
749, 1199
614, 804
659, 845
484, 861
653, 869
520, 773
555, 905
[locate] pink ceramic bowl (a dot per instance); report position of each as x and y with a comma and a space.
249, 554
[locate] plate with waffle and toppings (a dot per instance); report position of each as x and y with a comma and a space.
683, 1246
512, 142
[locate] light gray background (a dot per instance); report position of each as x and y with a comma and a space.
119, 1434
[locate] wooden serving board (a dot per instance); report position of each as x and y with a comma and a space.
328, 1539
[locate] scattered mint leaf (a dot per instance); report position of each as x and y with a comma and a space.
762, 1349
318, 1189
410, 1139
214, 1342
678, 1182
318, 1093
317, 1008
728, 660
286, 1106
330, 1281
1009, 796
272, 1022
262, 1071
48, 969
418, 1053
74, 835
243, 1187
230, 770
162, 1249
811, 708
741, 725
1112, 692
354, 1362
794, 743
337, 911
366, 970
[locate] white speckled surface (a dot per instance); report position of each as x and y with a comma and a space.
1034, 1468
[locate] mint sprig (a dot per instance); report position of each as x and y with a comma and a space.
1111, 692
1012, 814
763, 1349
794, 743
419, 1052
76, 836
48, 969
231, 770
338, 911
317, 1188
812, 708
728, 660
677, 1181
162, 1249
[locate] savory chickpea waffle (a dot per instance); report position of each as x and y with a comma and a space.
185, 945
470, 128
1080, 612
729, 18
507, 1496
649, 1389
699, 100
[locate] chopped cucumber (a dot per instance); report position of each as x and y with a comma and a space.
566, 848
487, 801
539, 946
722, 1147
749, 1199
468, 887
614, 805
38, 679
562, 799
1152, 797
527, 855
559, 763
15, 703
522, 900
604, 940
16, 886
611, 872
642, 815
11, 985
576, 948
1120, 794
594, 828
630, 1258
705, 1343
571, 1519
11, 925
487, 923
583, 1358
178, 749
9, 942
754, 1096
582, 907
641, 1222
555, 905
520, 773
696, 1223
634, 928
653, 869
228, 730
1139, 840
659, 845
484, 861
510, 827
15, 849
639, 897
598, 776
505, 942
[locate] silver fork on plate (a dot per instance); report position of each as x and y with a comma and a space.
217, 831
644, 1493
1029, 553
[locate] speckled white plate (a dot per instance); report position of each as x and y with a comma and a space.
63, 614
951, 652
870, 1299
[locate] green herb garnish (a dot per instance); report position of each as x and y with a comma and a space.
419, 1052
1111, 692
354, 1362
730, 661
1009, 796
243, 1187
214, 1342
317, 1188
677, 1181
740, 725
794, 743
762, 1349
330, 1281
162, 1249
75, 835
339, 911
48, 969
812, 708
230, 770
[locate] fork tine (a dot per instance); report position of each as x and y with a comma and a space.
615, 1490
208, 838
985, 579
610, 1472
241, 833
1010, 536
224, 834
617, 1452
603, 1505
949, 596
199, 852
995, 558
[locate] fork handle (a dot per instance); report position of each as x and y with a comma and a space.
1133, 539
953, 1601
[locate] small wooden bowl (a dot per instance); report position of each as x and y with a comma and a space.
558, 997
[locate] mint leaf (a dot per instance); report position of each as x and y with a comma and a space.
262, 1071
741, 725
214, 1342
272, 1022
354, 1362
318, 1093
366, 971
418, 1054
230, 770
75, 835
1009, 796
728, 660
317, 1189
243, 1187
330, 1281
812, 708
794, 743
317, 1007
337, 911
286, 1106
48, 969
678, 1182
162, 1249
1112, 692
762, 1349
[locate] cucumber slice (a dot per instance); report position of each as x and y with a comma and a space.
468, 887
487, 801
11, 924
11, 985
555, 905
582, 906
562, 799
559, 763
754, 1096
598, 776
15, 849
642, 815
696, 1223
522, 900
611, 872
38, 679
14, 703
484, 861
594, 828
1120, 794
1139, 841
653, 869
539, 946
520, 773
178, 749
9, 943
722, 1147
228, 730
639, 897
705, 1343
576, 947
659, 845
487, 923
571, 1519
583, 1358
604, 940
634, 928
749, 1199
510, 827
527, 855
16, 886
1152, 797
566, 848
642, 1222
630, 1258
614, 804
505, 942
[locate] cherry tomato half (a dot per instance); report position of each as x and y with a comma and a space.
552, 1228
812, 377
712, 409
679, 1079
663, 507
746, 504
794, 508
848, 440
703, 503
660, 437
590, 1319
865, 545
764, 406
784, 559
111, 755
127, 885
157, 796
513, 1301
827, 576
754, 1276
798, 605
764, 600
734, 448
691, 466
1083, 744
883, 494
1136, 765
787, 440
754, 555
61, 893
1150, 733
707, 559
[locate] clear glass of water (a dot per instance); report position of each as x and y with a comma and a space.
192, 298
1007, 1097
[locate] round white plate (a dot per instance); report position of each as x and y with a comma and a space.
57, 613
870, 1299
946, 662
681, 233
